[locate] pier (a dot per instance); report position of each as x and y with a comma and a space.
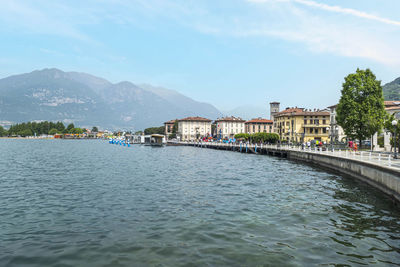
380, 170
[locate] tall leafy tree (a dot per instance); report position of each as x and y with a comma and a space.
361, 110
3, 131
95, 129
70, 127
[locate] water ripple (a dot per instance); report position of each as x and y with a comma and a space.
80, 203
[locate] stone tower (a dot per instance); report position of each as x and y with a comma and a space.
273, 108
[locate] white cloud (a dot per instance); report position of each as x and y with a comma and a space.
337, 9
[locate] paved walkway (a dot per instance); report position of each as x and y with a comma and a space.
376, 158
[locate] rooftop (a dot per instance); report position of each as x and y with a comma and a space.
302, 112
170, 122
195, 119
259, 120
232, 118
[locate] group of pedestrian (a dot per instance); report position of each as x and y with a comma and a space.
353, 145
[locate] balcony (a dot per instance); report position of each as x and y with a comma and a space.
318, 125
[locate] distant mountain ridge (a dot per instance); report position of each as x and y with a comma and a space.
87, 100
391, 91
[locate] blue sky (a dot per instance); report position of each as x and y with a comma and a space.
227, 52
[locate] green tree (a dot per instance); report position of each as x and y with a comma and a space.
70, 127
53, 131
155, 130
244, 136
392, 129
95, 129
3, 131
26, 132
361, 110
60, 126
77, 131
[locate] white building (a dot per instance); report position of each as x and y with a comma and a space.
336, 133
193, 128
229, 126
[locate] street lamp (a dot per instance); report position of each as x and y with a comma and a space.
330, 135
394, 123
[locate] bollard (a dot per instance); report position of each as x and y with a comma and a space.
347, 153
390, 162
255, 148
370, 156
379, 157
361, 155
246, 147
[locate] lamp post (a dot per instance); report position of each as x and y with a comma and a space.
330, 135
394, 123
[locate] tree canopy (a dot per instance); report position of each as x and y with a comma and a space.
39, 128
155, 130
95, 129
3, 131
361, 110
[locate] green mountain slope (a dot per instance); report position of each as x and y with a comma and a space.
391, 91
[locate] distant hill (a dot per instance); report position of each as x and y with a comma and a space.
87, 100
391, 91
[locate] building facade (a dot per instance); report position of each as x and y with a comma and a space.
168, 127
337, 134
193, 128
227, 127
259, 125
302, 125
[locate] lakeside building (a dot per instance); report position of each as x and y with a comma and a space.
302, 125
193, 128
227, 127
259, 125
168, 127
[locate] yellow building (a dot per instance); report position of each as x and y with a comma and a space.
300, 125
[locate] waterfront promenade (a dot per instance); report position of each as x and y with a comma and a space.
380, 170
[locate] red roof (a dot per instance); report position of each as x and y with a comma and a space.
195, 119
290, 110
231, 119
259, 120
301, 112
170, 122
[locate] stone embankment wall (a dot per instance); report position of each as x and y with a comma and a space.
384, 178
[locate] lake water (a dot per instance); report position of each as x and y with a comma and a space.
89, 203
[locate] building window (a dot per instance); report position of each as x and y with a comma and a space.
305, 122
311, 121
316, 131
324, 130
324, 122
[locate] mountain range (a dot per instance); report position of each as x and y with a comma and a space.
87, 100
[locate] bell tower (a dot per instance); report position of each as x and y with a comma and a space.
273, 108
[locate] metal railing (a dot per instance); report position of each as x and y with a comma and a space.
372, 157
